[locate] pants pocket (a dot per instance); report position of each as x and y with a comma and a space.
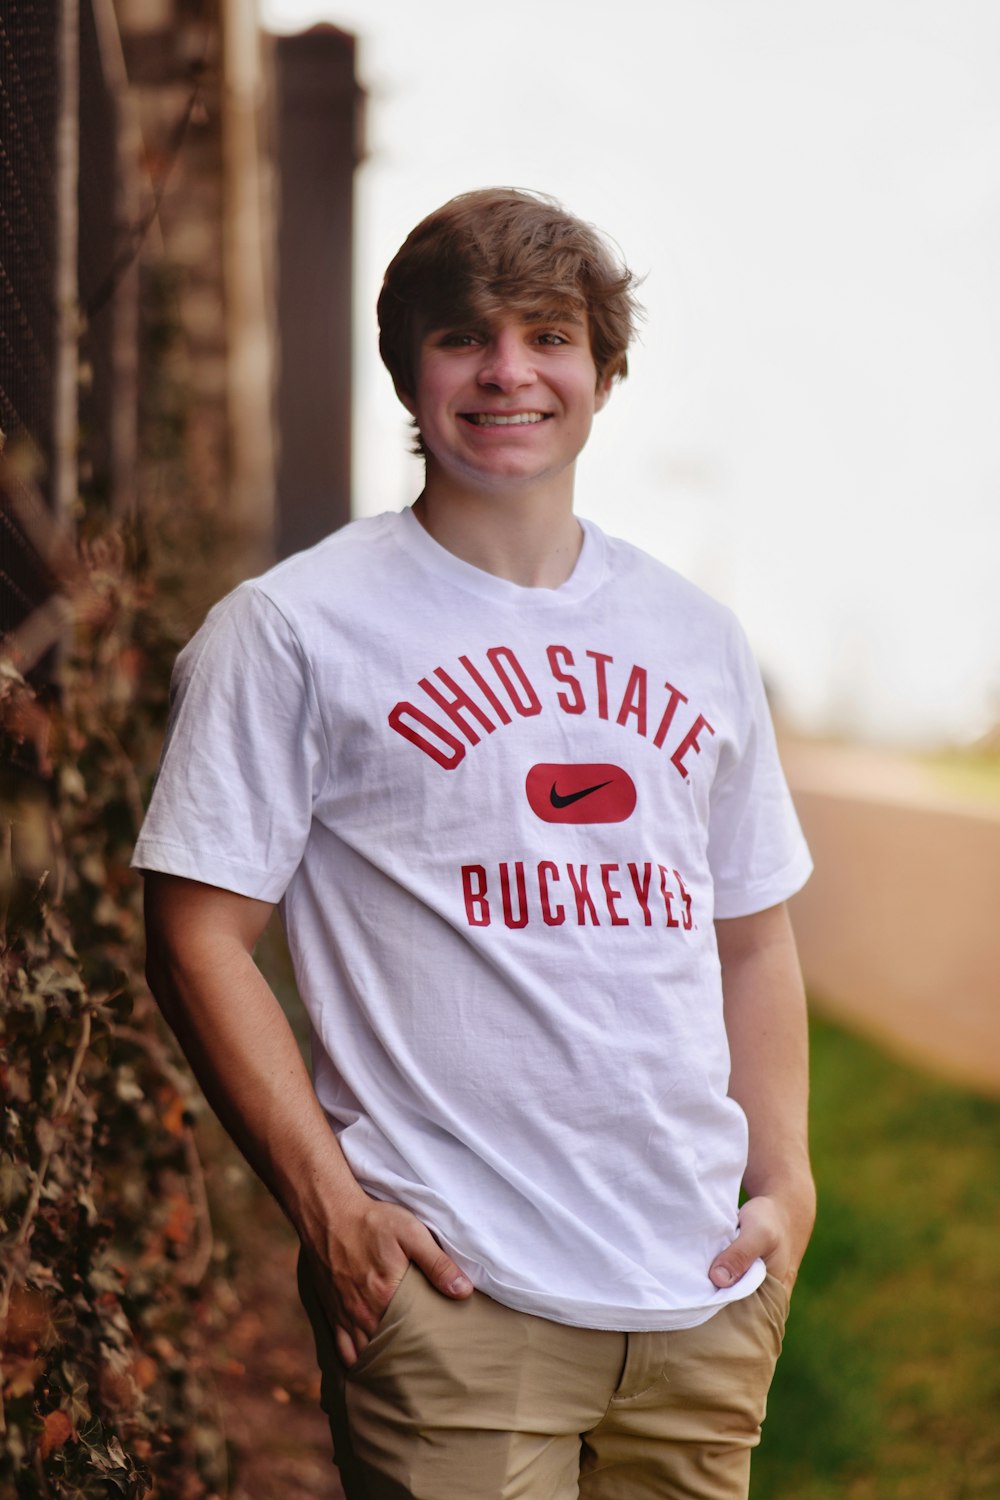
389, 1323
774, 1295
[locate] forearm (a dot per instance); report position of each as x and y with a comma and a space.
244, 1055
200, 968
765, 1014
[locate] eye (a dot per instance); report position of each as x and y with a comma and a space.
454, 339
551, 338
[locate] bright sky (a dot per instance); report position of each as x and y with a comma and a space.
812, 190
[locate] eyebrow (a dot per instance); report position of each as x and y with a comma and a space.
555, 315
533, 318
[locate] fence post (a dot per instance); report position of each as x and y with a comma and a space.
64, 413
248, 265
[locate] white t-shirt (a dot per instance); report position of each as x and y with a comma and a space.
500, 822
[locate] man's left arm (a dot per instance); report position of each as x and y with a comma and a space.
765, 1014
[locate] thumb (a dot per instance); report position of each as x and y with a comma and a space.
737, 1258
439, 1268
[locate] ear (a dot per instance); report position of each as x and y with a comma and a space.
406, 398
603, 391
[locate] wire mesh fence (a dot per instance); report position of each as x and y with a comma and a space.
37, 45
29, 101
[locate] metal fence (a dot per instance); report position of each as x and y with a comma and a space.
29, 87
29, 102
60, 228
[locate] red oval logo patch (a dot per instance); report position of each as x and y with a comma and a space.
580, 794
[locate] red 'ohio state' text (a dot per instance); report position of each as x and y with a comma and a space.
583, 895
476, 700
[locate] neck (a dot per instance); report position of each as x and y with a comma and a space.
530, 538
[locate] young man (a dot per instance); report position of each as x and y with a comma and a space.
515, 787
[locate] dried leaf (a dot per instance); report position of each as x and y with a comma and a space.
57, 1429
180, 1219
22, 1376
28, 1319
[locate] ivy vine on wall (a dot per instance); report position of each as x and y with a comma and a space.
109, 1292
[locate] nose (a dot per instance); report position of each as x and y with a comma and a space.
507, 363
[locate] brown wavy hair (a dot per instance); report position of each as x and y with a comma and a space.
501, 250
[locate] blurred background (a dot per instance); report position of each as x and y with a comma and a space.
810, 192
199, 201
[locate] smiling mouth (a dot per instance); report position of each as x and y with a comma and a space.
497, 419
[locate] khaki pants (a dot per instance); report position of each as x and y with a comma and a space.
472, 1401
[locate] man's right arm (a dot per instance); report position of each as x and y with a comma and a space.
200, 967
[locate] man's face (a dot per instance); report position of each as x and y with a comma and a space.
508, 404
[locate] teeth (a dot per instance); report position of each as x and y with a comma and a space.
516, 419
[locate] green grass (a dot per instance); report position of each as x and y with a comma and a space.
889, 1384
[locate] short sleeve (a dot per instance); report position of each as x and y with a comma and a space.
244, 755
757, 853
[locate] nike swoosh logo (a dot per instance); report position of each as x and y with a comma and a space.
558, 801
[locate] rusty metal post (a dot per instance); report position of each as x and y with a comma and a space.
247, 259
64, 423
318, 114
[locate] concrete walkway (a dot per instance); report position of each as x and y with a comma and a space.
899, 928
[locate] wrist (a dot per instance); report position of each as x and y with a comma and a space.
321, 1194
789, 1206
790, 1187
